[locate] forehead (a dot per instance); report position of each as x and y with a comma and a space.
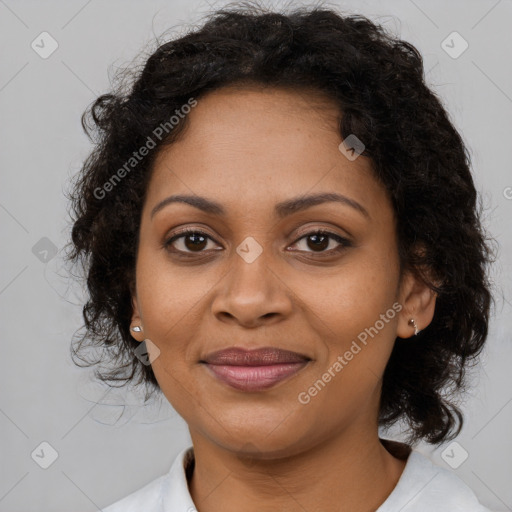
254, 145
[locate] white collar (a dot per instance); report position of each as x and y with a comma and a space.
175, 494
418, 488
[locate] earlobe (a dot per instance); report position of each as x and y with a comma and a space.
136, 328
418, 306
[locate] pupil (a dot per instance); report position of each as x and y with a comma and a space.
195, 245
322, 244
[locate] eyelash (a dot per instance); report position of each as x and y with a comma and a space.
344, 243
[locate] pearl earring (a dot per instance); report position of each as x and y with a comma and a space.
137, 328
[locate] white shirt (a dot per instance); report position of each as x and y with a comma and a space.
422, 487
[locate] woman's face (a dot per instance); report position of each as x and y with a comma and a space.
253, 278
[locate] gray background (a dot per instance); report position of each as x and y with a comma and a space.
44, 396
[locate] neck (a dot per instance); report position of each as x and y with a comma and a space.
349, 473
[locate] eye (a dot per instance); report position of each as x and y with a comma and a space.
189, 241
320, 240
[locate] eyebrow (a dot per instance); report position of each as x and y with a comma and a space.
282, 209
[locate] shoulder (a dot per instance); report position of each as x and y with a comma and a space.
424, 486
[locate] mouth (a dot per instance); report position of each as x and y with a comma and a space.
254, 370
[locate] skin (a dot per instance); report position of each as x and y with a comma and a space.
266, 450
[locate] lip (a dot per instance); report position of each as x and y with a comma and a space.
254, 370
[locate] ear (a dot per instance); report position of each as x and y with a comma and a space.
418, 302
136, 320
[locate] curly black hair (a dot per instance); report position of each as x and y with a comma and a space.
416, 153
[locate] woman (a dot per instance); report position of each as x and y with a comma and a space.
281, 234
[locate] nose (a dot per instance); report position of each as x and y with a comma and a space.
252, 295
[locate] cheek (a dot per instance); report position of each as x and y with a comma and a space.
354, 296
359, 317
175, 384
168, 294
370, 283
